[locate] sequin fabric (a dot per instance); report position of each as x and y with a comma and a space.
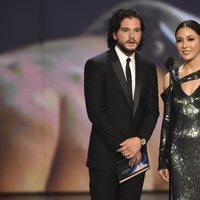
181, 131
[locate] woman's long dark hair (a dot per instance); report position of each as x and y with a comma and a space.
195, 26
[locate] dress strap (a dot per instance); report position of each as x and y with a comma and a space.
177, 81
190, 77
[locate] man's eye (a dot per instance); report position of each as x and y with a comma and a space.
137, 30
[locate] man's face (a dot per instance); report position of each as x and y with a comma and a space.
129, 35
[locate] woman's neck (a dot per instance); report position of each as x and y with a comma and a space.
193, 65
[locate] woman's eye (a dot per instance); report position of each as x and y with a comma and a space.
191, 39
178, 40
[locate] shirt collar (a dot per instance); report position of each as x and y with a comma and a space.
122, 56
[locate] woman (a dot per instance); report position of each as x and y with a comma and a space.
180, 132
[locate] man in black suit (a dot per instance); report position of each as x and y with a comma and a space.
122, 105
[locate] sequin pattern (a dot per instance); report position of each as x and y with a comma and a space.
185, 142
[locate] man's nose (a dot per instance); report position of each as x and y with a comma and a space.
131, 34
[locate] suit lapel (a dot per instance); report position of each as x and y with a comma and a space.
138, 82
120, 75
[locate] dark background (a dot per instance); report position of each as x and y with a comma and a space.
23, 22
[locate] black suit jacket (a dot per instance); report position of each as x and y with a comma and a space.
109, 108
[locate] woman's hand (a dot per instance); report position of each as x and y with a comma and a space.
164, 173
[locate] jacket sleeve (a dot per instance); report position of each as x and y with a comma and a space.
164, 150
150, 106
94, 82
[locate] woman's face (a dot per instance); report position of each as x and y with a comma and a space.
188, 43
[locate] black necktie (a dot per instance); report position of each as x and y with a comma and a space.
128, 79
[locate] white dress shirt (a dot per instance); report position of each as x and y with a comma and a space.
122, 58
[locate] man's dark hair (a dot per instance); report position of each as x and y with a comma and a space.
115, 21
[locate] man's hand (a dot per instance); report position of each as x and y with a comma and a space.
136, 159
130, 147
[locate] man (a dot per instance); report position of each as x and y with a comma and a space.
122, 107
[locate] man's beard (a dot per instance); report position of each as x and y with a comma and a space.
126, 50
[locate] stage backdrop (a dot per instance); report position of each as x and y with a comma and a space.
44, 44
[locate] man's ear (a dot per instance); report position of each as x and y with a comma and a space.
114, 36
